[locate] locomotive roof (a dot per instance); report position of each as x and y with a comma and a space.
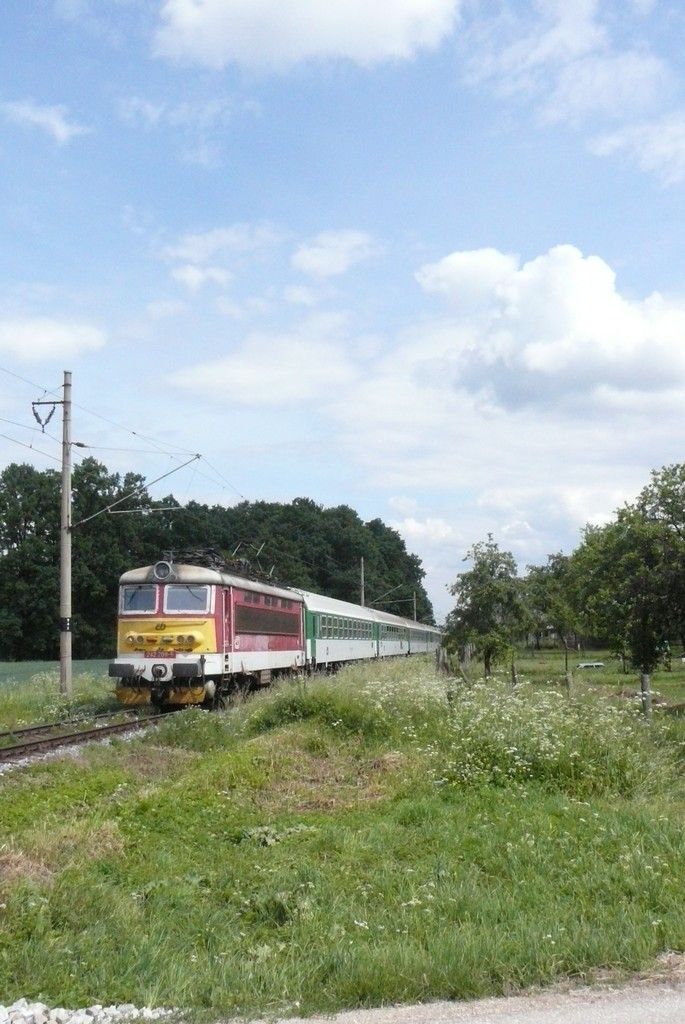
200, 574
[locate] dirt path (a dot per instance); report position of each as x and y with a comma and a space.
641, 1003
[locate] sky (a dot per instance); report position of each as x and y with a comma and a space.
421, 257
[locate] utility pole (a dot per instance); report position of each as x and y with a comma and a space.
65, 547
414, 606
64, 534
362, 602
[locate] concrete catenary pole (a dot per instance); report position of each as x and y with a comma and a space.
65, 547
362, 601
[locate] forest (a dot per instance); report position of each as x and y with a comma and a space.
299, 544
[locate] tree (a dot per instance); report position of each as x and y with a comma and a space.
490, 612
622, 573
662, 503
29, 554
549, 595
301, 543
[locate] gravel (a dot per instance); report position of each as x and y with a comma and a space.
25, 1012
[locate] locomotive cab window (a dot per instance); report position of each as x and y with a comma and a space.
140, 600
184, 597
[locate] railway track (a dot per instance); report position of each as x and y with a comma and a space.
30, 730
41, 743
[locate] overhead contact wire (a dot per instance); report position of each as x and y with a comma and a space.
30, 447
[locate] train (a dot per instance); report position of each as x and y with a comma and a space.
193, 634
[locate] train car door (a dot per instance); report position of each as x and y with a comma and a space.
226, 628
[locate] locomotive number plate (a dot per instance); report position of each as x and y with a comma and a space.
159, 654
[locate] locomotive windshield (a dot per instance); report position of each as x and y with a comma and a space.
184, 597
142, 598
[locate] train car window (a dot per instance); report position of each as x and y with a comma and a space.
142, 598
184, 597
266, 621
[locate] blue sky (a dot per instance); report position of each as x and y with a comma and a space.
423, 257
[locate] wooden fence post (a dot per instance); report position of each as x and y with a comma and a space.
646, 694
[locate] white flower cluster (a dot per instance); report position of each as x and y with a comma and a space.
488, 734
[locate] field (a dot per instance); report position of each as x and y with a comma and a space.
547, 666
29, 691
380, 836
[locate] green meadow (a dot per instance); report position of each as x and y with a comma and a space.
379, 836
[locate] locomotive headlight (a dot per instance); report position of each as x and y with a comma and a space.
186, 638
140, 639
130, 638
163, 571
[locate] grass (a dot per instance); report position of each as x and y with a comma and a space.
547, 666
29, 692
374, 837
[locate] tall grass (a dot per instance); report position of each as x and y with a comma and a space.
34, 696
483, 733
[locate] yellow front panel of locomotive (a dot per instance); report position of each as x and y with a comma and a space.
160, 636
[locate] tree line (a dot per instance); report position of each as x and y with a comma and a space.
623, 587
299, 543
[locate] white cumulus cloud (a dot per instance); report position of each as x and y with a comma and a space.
275, 34
52, 120
334, 252
554, 329
36, 338
479, 272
